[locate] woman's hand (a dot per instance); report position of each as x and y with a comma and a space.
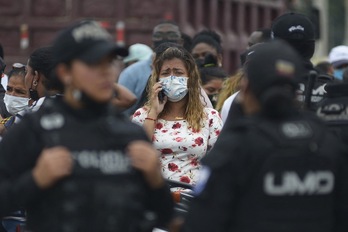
157, 105
145, 158
52, 165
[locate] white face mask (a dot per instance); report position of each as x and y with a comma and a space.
15, 104
174, 87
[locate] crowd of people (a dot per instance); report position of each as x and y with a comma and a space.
264, 149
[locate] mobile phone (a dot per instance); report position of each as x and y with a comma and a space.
161, 95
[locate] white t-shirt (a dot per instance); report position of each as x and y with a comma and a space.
226, 106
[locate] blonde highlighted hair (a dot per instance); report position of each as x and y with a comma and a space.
194, 109
230, 86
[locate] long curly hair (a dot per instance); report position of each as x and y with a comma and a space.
194, 109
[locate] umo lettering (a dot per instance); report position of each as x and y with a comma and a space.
313, 183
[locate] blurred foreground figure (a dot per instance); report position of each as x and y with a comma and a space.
277, 169
76, 164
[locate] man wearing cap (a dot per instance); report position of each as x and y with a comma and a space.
338, 58
81, 166
334, 107
298, 31
278, 169
137, 52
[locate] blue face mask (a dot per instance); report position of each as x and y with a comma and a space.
338, 74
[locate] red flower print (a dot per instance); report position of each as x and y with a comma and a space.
185, 179
166, 151
184, 148
136, 114
199, 141
173, 167
176, 126
164, 131
159, 126
217, 132
179, 139
194, 162
210, 122
213, 112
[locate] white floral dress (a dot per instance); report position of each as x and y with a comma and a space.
181, 147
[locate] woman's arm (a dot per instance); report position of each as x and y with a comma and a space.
124, 97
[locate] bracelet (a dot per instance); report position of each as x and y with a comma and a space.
151, 119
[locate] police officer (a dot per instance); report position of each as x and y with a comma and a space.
76, 164
333, 109
298, 31
278, 169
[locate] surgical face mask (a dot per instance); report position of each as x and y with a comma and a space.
174, 87
15, 104
338, 74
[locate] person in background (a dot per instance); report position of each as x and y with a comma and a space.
204, 43
231, 85
181, 128
16, 97
212, 78
81, 165
325, 67
298, 31
187, 41
135, 77
137, 52
39, 79
278, 169
16, 100
338, 57
3, 85
259, 36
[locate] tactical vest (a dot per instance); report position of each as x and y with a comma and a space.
290, 181
104, 193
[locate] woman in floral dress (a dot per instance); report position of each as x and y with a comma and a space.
181, 128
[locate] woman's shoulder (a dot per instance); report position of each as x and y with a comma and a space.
210, 112
141, 111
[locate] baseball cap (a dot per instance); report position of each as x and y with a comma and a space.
86, 41
272, 63
293, 26
137, 52
338, 56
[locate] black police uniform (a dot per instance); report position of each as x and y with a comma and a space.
334, 110
104, 193
264, 176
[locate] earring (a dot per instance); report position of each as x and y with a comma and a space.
35, 83
77, 94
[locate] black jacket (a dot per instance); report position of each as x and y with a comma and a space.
104, 193
269, 176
